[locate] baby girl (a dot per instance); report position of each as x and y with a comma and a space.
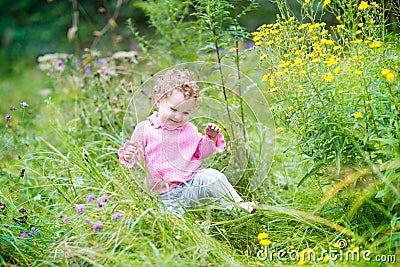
172, 149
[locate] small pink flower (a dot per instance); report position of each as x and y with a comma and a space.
89, 198
116, 216
96, 226
80, 208
86, 220
66, 219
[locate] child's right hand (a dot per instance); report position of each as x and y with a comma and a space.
130, 150
129, 154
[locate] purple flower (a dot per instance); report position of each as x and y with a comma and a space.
100, 204
104, 198
24, 235
106, 73
59, 63
24, 104
86, 220
95, 54
66, 219
80, 208
116, 216
96, 226
7, 117
13, 108
34, 230
87, 70
149, 63
89, 198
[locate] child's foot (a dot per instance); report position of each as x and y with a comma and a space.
249, 207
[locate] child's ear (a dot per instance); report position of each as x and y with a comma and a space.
158, 103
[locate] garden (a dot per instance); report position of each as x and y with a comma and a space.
308, 102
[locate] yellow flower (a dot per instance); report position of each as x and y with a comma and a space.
328, 77
340, 92
356, 249
372, 21
271, 108
279, 129
297, 61
326, 42
336, 47
375, 45
368, 102
263, 56
290, 108
340, 26
256, 38
272, 81
262, 235
284, 64
307, 1
332, 61
273, 89
359, 72
358, 115
357, 41
265, 242
302, 26
388, 74
270, 42
337, 70
360, 24
326, 2
359, 31
374, 4
363, 5
338, 17
265, 77
258, 43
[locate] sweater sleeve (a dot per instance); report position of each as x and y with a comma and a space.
207, 146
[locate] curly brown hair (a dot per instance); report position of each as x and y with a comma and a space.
174, 79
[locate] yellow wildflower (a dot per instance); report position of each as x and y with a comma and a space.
265, 77
340, 92
336, 47
256, 38
337, 70
375, 45
284, 64
271, 108
273, 89
272, 81
258, 43
357, 41
265, 242
372, 21
332, 61
307, 1
270, 42
374, 4
388, 74
360, 24
297, 61
326, 42
290, 108
328, 77
356, 249
326, 2
363, 5
279, 129
338, 17
263, 56
340, 26
302, 26
359, 31
316, 60
262, 236
358, 115
359, 72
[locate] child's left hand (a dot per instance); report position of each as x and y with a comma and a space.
212, 130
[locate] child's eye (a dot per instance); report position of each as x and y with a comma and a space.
186, 113
173, 109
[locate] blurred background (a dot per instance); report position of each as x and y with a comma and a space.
30, 28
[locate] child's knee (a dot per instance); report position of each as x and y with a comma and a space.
214, 176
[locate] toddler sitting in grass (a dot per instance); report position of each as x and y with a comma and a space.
172, 149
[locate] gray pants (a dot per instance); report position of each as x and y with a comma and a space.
206, 186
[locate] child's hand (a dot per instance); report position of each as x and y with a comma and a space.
130, 151
212, 130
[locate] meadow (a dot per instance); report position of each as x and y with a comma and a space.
310, 113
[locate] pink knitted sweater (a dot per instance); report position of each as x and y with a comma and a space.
171, 156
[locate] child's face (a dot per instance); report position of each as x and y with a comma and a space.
174, 111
